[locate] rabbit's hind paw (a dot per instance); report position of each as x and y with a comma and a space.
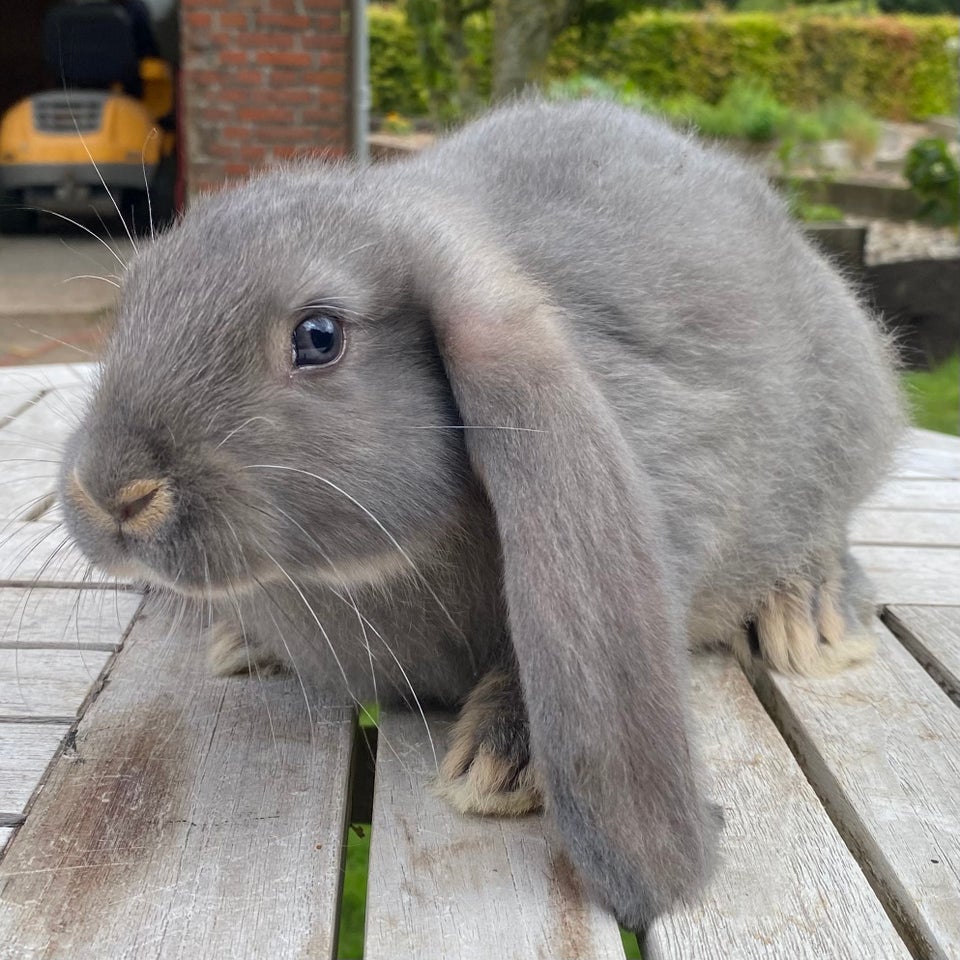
801, 629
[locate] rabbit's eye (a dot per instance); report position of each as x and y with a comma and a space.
317, 341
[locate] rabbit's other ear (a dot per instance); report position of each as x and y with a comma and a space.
595, 625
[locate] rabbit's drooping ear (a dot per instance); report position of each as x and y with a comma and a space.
592, 618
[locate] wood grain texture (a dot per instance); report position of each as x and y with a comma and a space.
197, 817
912, 575
5, 834
51, 683
933, 440
787, 886
25, 753
445, 885
928, 455
916, 495
932, 635
47, 376
22, 386
15, 399
919, 528
41, 552
30, 448
71, 619
880, 744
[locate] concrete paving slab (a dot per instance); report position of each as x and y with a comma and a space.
56, 296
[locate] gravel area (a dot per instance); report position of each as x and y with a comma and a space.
889, 241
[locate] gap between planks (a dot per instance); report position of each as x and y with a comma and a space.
879, 745
932, 635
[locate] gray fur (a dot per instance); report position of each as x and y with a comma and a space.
701, 402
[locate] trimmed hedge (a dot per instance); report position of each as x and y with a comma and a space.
899, 68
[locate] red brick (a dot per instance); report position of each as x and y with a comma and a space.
205, 78
332, 96
265, 41
288, 58
330, 115
262, 80
265, 114
237, 132
294, 96
212, 115
243, 78
287, 21
321, 42
198, 20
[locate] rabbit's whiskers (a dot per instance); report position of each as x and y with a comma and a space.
364, 623
393, 540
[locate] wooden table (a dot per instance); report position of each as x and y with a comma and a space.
149, 810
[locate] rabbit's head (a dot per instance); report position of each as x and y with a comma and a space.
272, 400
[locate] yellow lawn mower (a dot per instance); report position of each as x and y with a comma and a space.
107, 132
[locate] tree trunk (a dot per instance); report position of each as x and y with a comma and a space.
523, 32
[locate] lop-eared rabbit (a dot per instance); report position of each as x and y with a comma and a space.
511, 424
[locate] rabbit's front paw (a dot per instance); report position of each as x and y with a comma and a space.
231, 653
487, 769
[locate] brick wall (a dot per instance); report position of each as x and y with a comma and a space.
261, 80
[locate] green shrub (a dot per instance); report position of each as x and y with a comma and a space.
397, 83
399, 79
895, 67
747, 111
935, 179
919, 6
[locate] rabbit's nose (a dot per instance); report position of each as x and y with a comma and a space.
141, 503
139, 507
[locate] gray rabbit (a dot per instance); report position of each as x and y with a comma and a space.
513, 422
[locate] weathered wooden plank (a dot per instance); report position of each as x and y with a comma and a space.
26, 750
197, 817
14, 399
60, 617
41, 552
40, 683
933, 440
880, 745
5, 834
47, 376
932, 635
928, 455
920, 528
787, 886
20, 387
916, 495
30, 449
444, 885
912, 575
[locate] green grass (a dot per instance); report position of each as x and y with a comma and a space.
353, 905
934, 397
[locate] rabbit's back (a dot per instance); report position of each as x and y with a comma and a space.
753, 387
